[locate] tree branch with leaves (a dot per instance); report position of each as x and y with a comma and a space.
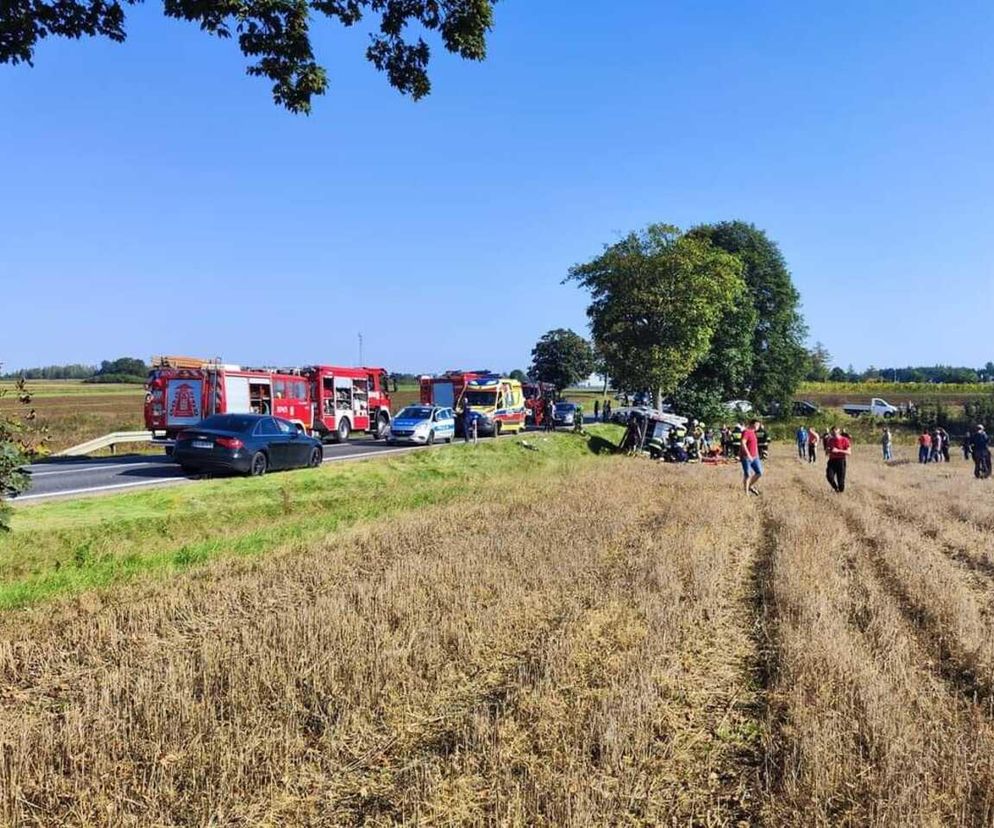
20, 441
274, 34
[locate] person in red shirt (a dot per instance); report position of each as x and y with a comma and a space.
752, 466
838, 447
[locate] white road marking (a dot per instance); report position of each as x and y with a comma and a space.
80, 469
66, 492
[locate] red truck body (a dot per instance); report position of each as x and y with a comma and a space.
446, 389
327, 401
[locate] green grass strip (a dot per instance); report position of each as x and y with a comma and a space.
65, 548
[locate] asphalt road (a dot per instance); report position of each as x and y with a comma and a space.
78, 476
71, 477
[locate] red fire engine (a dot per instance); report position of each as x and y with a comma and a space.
328, 402
446, 389
539, 399
348, 399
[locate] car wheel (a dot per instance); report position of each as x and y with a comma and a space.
186, 469
343, 431
431, 438
259, 464
315, 460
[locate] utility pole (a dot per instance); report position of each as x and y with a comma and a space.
360, 347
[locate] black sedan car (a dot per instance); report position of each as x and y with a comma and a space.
245, 443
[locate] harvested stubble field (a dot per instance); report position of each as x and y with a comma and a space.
606, 642
74, 412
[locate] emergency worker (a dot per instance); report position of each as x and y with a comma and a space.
467, 422
763, 439
735, 440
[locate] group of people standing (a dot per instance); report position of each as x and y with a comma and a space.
605, 410
807, 443
933, 445
837, 444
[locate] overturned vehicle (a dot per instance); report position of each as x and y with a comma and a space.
660, 435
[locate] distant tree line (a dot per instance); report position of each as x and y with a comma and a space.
819, 370
124, 369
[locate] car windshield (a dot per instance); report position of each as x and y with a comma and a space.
415, 412
229, 422
565, 407
487, 399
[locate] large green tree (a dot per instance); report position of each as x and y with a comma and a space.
778, 359
657, 297
561, 357
273, 34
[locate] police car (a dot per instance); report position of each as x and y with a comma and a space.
422, 425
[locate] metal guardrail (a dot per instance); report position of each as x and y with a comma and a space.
108, 440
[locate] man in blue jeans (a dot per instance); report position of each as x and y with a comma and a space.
752, 466
802, 442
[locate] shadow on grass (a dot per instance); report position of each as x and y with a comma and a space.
598, 445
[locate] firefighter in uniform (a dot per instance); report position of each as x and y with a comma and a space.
735, 441
763, 441
678, 449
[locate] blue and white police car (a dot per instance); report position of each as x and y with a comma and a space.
422, 425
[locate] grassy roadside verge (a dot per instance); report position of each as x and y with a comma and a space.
69, 547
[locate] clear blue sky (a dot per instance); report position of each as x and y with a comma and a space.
155, 200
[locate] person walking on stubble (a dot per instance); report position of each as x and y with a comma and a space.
813, 445
885, 442
924, 446
838, 447
802, 442
752, 466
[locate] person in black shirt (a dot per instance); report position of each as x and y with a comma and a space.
980, 447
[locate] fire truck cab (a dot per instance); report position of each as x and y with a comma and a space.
347, 400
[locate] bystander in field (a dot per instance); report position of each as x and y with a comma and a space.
981, 451
886, 442
838, 447
924, 446
752, 466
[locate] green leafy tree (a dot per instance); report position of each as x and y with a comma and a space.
562, 358
725, 371
19, 443
519, 375
778, 358
837, 374
273, 34
657, 298
818, 363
